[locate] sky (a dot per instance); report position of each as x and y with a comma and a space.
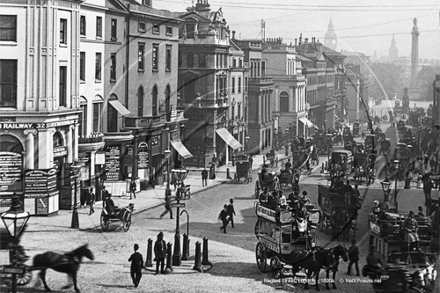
363, 26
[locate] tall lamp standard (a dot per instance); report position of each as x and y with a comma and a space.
168, 158
246, 149
386, 184
179, 176
15, 220
396, 166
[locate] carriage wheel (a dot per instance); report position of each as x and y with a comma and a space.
104, 222
276, 266
260, 254
257, 189
126, 222
24, 279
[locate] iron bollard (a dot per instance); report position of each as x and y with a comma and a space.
185, 249
322, 168
205, 260
228, 175
326, 165
197, 261
169, 267
148, 262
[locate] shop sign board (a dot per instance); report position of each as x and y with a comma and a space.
59, 151
11, 170
40, 182
112, 164
43, 125
143, 153
155, 141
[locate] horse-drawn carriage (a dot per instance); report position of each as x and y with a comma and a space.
323, 143
341, 163
363, 167
109, 214
385, 147
418, 266
339, 207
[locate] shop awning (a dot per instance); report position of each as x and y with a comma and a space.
120, 108
306, 122
181, 149
228, 138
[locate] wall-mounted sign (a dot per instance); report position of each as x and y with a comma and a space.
36, 125
155, 145
59, 151
11, 166
100, 158
40, 182
112, 166
143, 156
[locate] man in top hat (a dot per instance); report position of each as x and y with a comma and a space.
410, 226
137, 262
160, 252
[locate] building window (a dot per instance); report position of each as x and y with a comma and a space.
168, 102
168, 58
169, 31
8, 83
239, 85
190, 29
99, 27
140, 111
142, 27
240, 63
98, 67
234, 63
113, 29
82, 25
82, 66
96, 116
141, 51
63, 86
112, 67
8, 28
233, 85
82, 121
63, 31
154, 100
156, 29
284, 102
155, 57
239, 111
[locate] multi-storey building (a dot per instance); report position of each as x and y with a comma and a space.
204, 74
39, 100
260, 90
288, 104
320, 65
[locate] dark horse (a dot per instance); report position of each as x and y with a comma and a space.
338, 251
312, 262
64, 263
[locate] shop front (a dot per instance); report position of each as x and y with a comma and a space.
11, 166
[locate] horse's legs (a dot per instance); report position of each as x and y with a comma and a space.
334, 279
69, 282
43, 278
327, 276
316, 279
74, 282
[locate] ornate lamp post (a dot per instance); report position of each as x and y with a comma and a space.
246, 149
15, 220
179, 176
396, 166
386, 184
168, 158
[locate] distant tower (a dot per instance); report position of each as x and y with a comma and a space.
330, 39
414, 53
393, 53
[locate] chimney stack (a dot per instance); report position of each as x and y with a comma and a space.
296, 42
233, 35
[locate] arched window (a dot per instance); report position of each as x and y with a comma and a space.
140, 95
154, 100
284, 102
82, 121
168, 102
9, 143
112, 116
57, 140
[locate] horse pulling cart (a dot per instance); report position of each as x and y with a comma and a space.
410, 270
118, 215
243, 170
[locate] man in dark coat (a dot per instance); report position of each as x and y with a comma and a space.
105, 194
137, 263
167, 206
91, 201
133, 189
224, 218
353, 256
231, 212
160, 253
427, 188
288, 165
204, 177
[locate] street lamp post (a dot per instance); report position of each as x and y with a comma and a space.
386, 184
15, 220
168, 157
179, 176
246, 149
396, 166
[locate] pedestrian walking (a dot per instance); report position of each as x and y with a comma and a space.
427, 188
212, 171
160, 253
231, 212
105, 194
167, 206
432, 164
224, 218
91, 201
204, 177
137, 262
353, 256
133, 189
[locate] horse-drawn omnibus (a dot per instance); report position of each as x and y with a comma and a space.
341, 163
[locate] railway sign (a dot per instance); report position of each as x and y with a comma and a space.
177, 205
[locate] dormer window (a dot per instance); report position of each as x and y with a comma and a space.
190, 29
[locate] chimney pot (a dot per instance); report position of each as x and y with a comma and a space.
233, 35
296, 42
